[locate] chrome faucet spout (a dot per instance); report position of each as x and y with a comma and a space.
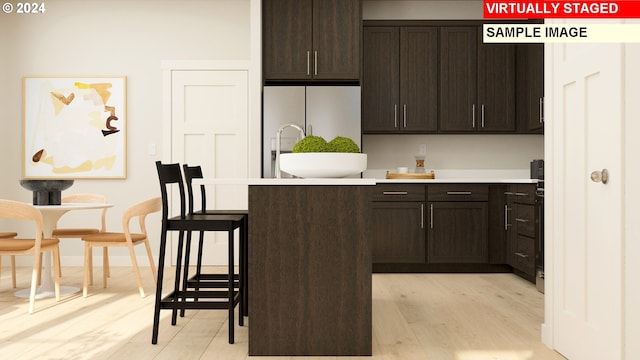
301, 135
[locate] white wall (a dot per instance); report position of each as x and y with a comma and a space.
509, 152
115, 37
422, 10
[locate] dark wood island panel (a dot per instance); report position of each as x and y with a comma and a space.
309, 270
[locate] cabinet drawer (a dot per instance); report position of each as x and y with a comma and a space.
458, 192
524, 257
398, 192
525, 219
525, 193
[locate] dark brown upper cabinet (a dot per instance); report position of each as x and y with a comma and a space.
311, 39
400, 80
496, 87
477, 82
530, 90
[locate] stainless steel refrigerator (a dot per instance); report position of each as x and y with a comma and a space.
326, 111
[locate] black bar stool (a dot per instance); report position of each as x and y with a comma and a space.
181, 298
211, 280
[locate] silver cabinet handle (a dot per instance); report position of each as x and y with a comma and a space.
508, 193
315, 63
395, 116
421, 216
522, 220
308, 63
395, 193
459, 192
541, 111
482, 116
524, 256
431, 216
473, 116
404, 115
521, 194
506, 217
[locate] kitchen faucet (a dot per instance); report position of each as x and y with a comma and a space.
278, 136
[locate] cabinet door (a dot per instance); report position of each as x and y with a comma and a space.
418, 79
458, 232
380, 77
397, 232
530, 79
499, 218
458, 79
496, 88
336, 39
286, 39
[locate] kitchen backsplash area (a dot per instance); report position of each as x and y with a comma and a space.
504, 155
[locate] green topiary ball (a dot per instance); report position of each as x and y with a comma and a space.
311, 144
343, 144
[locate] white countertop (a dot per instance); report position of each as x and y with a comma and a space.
350, 181
378, 176
284, 181
458, 180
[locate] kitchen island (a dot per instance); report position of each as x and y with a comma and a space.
310, 267
314, 242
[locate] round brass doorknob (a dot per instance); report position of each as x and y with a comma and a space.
600, 176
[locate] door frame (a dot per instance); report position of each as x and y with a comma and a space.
169, 68
254, 93
630, 206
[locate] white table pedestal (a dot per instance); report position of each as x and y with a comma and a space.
50, 216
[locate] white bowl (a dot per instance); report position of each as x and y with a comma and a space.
323, 164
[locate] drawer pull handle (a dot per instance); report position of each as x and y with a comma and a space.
521, 194
508, 193
524, 256
459, 192
522, 220
395, 193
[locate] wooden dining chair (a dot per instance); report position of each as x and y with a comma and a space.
77, 233
126, 238
35, 246
10, 235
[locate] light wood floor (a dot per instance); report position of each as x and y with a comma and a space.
423, 316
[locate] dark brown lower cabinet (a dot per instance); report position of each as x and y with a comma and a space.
524, 231
397, 232
310, 270
458, 232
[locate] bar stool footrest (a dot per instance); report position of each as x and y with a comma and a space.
170, 301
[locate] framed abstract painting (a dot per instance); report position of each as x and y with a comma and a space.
74, 127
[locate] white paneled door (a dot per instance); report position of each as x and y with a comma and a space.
209, 127
587, 235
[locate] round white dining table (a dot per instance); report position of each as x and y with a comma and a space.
50, 216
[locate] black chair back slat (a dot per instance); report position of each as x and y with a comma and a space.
170, 174
190, 173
